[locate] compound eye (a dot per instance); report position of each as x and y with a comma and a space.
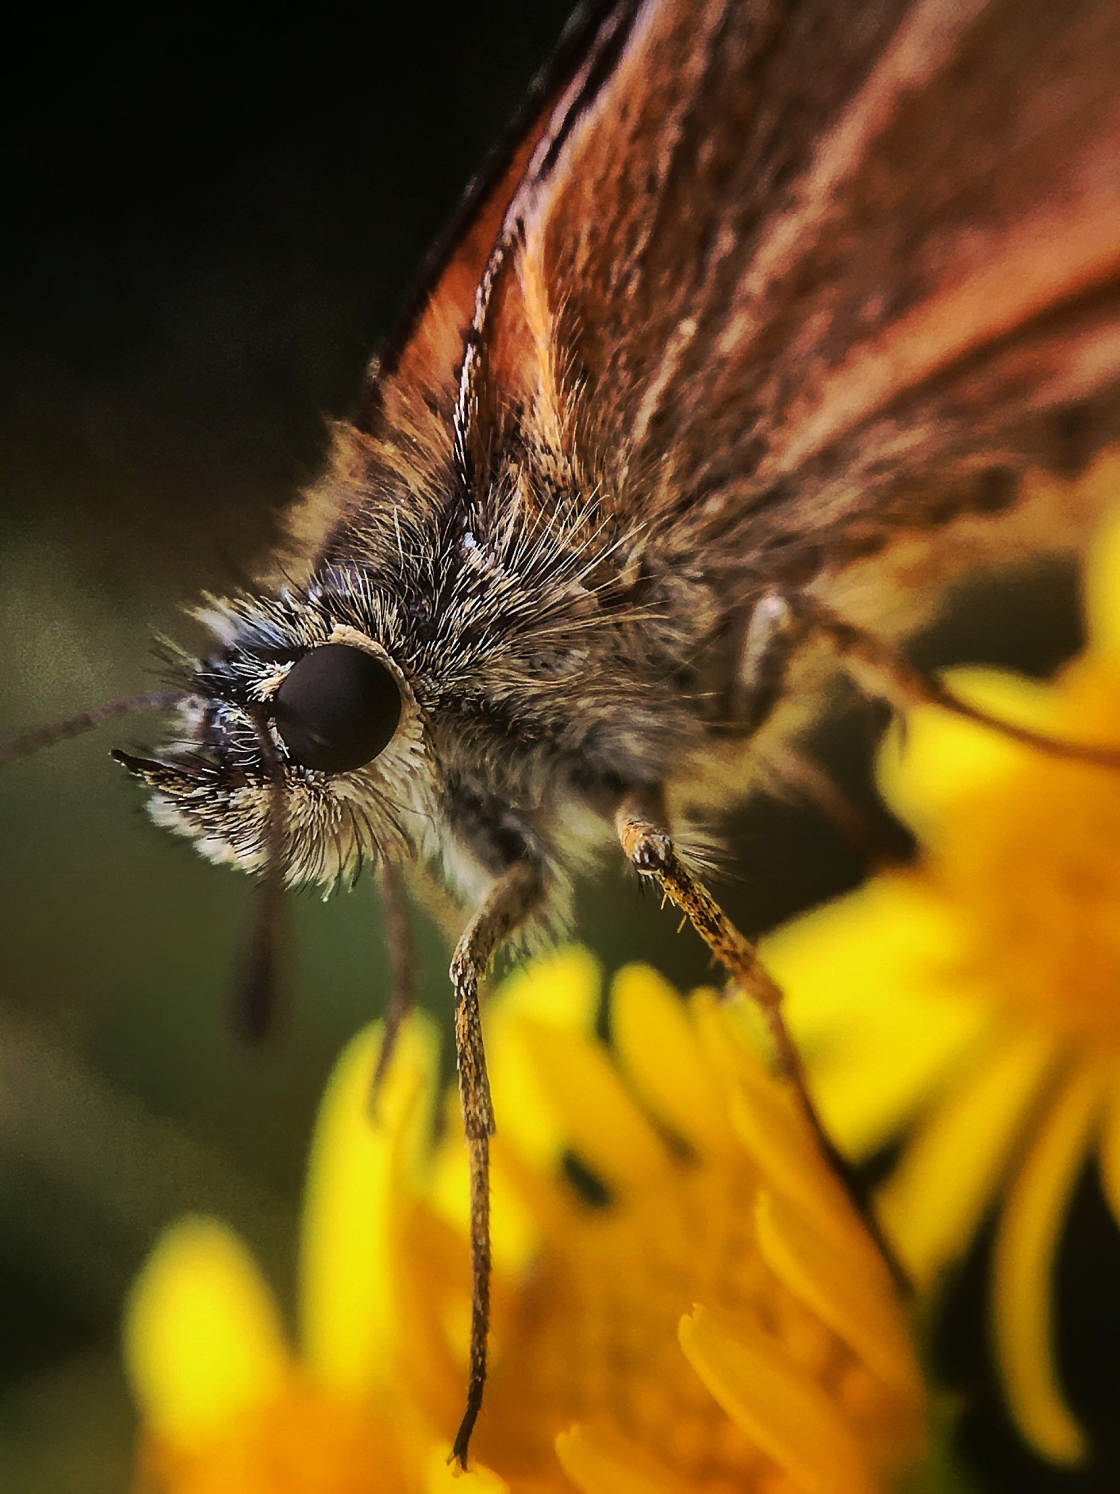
337, 708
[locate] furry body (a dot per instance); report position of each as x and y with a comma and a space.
810, 296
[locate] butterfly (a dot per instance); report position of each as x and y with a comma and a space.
754, 336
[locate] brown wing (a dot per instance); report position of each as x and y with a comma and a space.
800, 274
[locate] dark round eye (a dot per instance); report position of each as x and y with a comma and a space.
337, 708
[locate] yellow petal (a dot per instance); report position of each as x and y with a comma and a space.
203, 1341
354, 1178
853, 1297
598, 1460
868, 1005
1101, 580
515, 1232
441, 1477
765, 1118
658, 1049
598, 1118
953, 1164
562, 988
561, 991
787, 1414
1024, 1260
935, 762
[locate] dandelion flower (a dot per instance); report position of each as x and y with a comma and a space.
683, 1298
228, 1404
972, 1000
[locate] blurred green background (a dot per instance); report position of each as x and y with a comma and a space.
210, 222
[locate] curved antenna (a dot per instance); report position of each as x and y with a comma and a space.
256, 997
38, 737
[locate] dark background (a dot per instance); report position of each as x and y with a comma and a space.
210, 220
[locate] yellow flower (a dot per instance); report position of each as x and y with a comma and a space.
228, 1405
974, 999
683, 1299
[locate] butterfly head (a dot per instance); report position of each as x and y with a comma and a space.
300, 712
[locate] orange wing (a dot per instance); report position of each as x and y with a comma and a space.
403, 435
793, 278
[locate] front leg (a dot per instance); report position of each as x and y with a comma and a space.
784, 620
648, 843
512, 898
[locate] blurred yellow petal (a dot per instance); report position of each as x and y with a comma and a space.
1101, 581
936, 762
958, 1155
567, 997
346, 1274
867, 1002
774, 1134
442, 1477
786, 1414
659, 1052
203, 1340
561, 988
514, 1233
1025, 1244
857, 1302
598, 1118
600, 1461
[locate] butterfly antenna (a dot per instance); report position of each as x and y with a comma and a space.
30, 742
258, 990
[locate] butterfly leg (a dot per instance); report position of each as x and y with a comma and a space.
798, 779
772, 636
648, 844
887, 673
511, 899
402, 965
768, 646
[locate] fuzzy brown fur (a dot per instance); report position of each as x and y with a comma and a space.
808, 295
